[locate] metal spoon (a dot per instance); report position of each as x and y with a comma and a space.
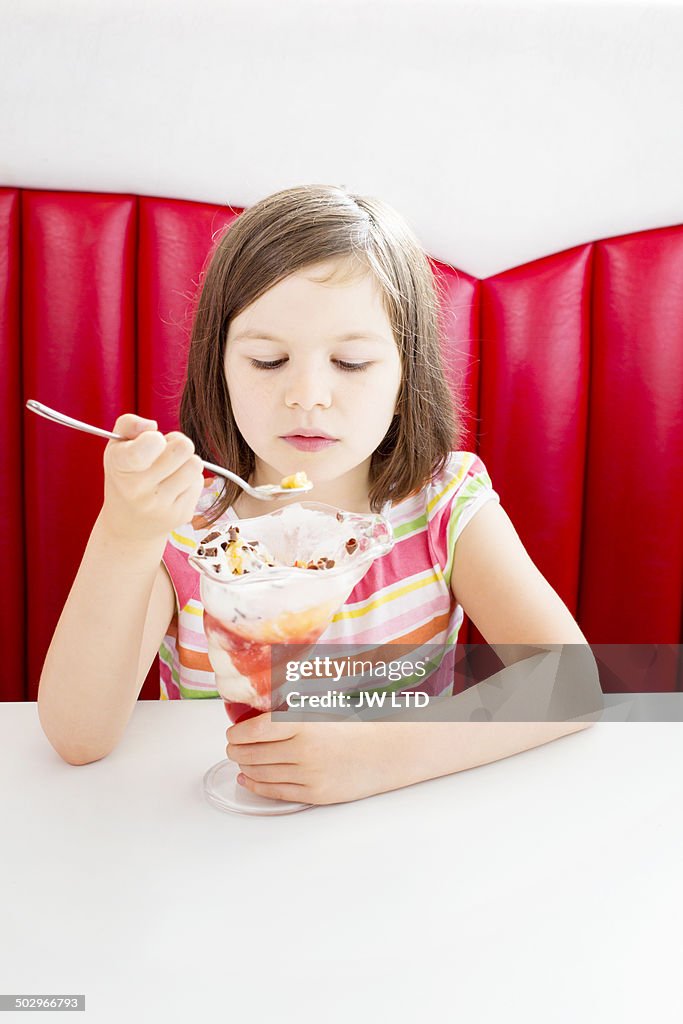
265, 492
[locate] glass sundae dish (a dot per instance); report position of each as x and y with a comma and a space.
275, 579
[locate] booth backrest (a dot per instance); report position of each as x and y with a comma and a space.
572, 368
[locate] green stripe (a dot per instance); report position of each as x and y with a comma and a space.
167, 657
480, 482
185, 691
189, 694
406, 528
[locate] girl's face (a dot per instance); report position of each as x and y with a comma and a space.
290, 369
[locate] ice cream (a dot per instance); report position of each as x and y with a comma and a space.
296, 480
228, 554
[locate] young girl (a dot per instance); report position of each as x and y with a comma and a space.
315, 346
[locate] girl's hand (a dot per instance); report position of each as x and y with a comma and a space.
316, 762
152, 481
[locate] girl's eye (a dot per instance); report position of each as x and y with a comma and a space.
351, 366
266, 366
348, 367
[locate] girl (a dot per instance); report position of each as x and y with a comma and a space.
315, 347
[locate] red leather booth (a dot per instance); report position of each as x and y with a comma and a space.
572, 366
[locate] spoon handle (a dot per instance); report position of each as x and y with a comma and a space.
87, 428
69, 421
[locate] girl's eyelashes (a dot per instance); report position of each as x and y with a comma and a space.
349, 367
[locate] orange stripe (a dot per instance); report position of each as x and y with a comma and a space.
194, 659
416, 637
422, 635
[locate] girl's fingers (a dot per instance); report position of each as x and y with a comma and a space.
261, 753
281, 774
261, 729
275, 791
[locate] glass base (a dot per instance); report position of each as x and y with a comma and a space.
222, 789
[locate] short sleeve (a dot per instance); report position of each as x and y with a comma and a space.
455, 497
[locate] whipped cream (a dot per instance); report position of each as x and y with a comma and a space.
227, 553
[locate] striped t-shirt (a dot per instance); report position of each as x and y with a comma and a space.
404, 598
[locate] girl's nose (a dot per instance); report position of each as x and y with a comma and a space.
308, 388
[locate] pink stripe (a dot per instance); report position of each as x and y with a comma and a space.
440, 534
406, 622
185, 578
171, 688
441, 518
191, 636
410, 555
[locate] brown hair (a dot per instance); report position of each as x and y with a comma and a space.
284, 233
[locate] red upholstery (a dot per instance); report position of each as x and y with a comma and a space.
572, 365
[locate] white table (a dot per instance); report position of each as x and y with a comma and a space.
543, 887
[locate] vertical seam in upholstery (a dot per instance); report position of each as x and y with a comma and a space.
136, 333
22, 433
586, 448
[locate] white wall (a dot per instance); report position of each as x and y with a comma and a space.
501, 131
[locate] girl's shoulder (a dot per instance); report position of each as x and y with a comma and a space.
452, 499
464, 475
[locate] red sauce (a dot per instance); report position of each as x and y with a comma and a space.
240, 712
251, 658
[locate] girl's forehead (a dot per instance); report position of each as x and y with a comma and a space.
340, 269
311, 292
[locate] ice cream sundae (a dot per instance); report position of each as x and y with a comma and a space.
278, 579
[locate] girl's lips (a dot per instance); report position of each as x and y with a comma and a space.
309, 444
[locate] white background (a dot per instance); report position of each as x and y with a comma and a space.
502, 132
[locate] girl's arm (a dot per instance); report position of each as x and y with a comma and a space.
110, 630
520, 615
500, 589
122, 600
